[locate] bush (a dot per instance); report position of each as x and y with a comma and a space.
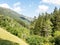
51, 40
23, 33
57, 40
57, 33
35, 40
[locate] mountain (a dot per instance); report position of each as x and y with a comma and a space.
15, 15
9, 37
14, 27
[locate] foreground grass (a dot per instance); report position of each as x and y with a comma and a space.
7, 42
7, 36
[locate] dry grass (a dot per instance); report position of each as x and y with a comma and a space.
8, 36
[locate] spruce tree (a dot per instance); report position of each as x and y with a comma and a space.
56, 19
46, 28
43, 25
38, 25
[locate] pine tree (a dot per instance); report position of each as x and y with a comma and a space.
43, 25
38, 25
56, 19
46, 28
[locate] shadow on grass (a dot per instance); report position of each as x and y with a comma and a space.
6, 42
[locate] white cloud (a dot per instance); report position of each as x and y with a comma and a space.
16, 6
57, 2
5, 5
17, 9
42, 8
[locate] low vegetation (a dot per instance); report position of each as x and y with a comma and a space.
7, 38
6, 42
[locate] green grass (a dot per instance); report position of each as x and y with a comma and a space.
8, 36
7, 42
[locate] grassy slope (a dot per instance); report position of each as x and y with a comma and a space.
7, 36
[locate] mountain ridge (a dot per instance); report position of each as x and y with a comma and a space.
15, 15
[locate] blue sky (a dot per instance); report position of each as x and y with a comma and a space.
30, 8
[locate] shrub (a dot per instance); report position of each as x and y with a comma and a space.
35, 40
57, 40
57, 33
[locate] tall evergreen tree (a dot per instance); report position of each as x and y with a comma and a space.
56, 19
38, 25
46, 28
43, 25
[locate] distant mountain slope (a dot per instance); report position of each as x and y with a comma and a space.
14, 27
15, 15
7, 36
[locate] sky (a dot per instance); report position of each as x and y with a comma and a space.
30, 8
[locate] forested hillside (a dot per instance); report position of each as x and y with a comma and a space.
44, 30
18, 17
13, 26
47, 26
